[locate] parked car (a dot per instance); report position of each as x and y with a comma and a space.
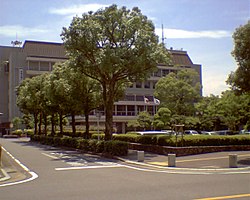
191, 132
206, 133
245, 132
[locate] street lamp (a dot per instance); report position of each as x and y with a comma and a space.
98, 114
1, 125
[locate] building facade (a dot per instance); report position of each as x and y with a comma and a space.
35, 58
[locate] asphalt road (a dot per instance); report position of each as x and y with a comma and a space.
57, 174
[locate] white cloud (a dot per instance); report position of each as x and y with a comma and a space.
181, 34
214, 83
13, 30
77, 9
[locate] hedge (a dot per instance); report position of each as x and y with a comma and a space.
108, 148
188, 140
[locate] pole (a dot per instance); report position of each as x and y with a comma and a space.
98, 124
0, 156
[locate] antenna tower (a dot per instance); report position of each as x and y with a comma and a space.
162, 35
16, 42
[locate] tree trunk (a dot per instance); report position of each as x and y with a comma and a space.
45, 123
52, 124
61, 123
40, 124
35, 123
108, 98
73, 123
108, 121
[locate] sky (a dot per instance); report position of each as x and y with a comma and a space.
203, 28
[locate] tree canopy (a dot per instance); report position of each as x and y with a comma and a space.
240, 79
114, 46
178, 92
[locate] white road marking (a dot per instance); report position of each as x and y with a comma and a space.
33, 174
50, 156
87, 167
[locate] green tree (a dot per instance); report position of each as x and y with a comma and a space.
115, 47
235, 109
211, 113
179, 92
30, 98
17, 122
162, 118
240, 79
57, 93
144, 119
134, 124
84, 96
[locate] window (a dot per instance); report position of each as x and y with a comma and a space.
139, 98
129, 98
147, 84
44, 66
131, 110
165, 72
138, 85
154, 83
121, 110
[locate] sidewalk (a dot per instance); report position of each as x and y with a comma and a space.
218, 160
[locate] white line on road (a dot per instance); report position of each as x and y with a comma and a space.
50, 156
33, 174
87, 167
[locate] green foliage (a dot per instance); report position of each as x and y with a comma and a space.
133, 124
96, 135
17, 132
29, 132
144, 119
116, 148
147, 139
235, 109
240, 79
189, 140
114, 46
17, 122
228, 111
111, 148
31, 97
129, 137
179, 91
216, 140
162, 118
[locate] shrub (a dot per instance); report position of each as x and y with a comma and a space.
29, 132
148, 139
17, 132
116, 148
166, 140
83, 144
126, 137
202, 140
95, 136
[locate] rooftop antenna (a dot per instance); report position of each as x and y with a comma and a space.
16, 42
162, 35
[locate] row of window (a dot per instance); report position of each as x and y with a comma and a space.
130, 110
138, 98
40, 66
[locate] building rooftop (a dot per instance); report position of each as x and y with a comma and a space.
180, 58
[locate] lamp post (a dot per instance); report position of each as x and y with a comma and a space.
98, 116
1, 125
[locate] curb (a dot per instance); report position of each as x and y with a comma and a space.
5, 175
210, 171
32, 174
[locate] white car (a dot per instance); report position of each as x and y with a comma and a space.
191, 132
